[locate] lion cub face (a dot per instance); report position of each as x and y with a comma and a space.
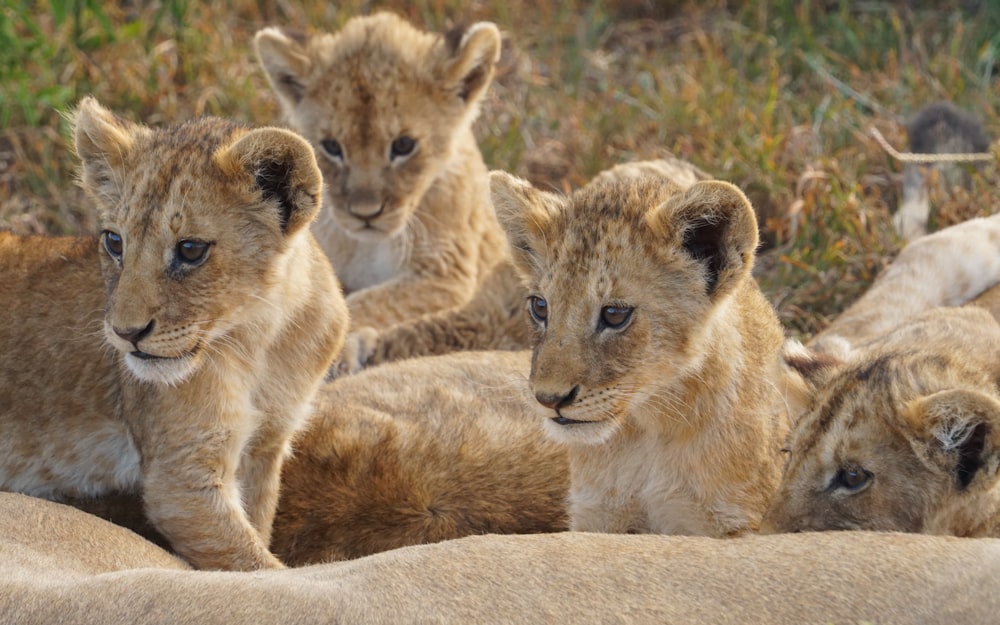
187, 255
382, 104
900, 437
622, 277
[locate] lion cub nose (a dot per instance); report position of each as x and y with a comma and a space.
555, 401
134, 335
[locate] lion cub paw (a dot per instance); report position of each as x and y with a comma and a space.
359, 348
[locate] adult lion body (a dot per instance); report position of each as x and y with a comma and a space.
176, 354
64, 566
407, 221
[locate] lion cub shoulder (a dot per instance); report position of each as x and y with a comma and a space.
655, 355
388, 108
176, 353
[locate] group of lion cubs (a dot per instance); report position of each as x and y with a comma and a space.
180, 355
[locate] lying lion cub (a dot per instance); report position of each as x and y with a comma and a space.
903, 435
176, 353
656, 358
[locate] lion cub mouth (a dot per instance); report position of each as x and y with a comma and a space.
561, 420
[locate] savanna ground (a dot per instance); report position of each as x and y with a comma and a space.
775, 96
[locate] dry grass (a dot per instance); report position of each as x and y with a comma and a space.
774, 96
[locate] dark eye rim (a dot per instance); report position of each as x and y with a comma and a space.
842, 480
202, 248
106, 239
539, 318
332, 148
626, 310
409, 146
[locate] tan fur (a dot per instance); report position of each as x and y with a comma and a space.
182, 380
409, 453
947, 268
903, 436
407, 233
673, 421
494, 318
420, 451
62, 566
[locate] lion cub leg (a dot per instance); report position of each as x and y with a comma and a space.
191, 495
259, 474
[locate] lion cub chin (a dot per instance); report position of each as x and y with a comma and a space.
176, 353
389, 109
656, 358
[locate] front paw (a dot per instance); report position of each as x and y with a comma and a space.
359, 348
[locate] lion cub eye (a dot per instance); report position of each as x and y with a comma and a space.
332, 148
538, 308
615, 317
192, 252
113, 244
852, 478
402, 146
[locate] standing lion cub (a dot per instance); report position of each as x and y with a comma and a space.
407, 223
178, 352
656, 357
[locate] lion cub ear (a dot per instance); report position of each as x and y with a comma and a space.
526, 215
962, 429
103, 142
285, 62
473, 54
283, 168
714, 224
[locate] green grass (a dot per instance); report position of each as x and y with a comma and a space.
776, 97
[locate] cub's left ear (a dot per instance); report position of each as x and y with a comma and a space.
472, 57
713, 223
283, 169
962, 430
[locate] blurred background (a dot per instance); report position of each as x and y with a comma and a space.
775, 96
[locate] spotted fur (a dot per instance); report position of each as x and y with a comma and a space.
126, 367
407, 221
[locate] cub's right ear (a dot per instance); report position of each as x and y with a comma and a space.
103, 142
962, 430
526, 214
286, 63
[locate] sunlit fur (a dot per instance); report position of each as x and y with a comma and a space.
407, 234
196, 410
673, 422
919, 411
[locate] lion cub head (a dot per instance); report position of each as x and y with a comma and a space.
192, 242
624, 276
904, 435
383, 105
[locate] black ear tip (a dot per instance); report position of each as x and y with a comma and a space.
274, 177
970, 458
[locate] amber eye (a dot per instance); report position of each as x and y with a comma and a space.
852, 478
192, 252
332, 148
113, 244
402, 146
538, 308
615, 317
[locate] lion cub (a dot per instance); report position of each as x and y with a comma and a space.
176, 353
407, 222
656, 357
903, 435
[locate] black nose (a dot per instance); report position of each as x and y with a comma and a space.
134, 335
556, 402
